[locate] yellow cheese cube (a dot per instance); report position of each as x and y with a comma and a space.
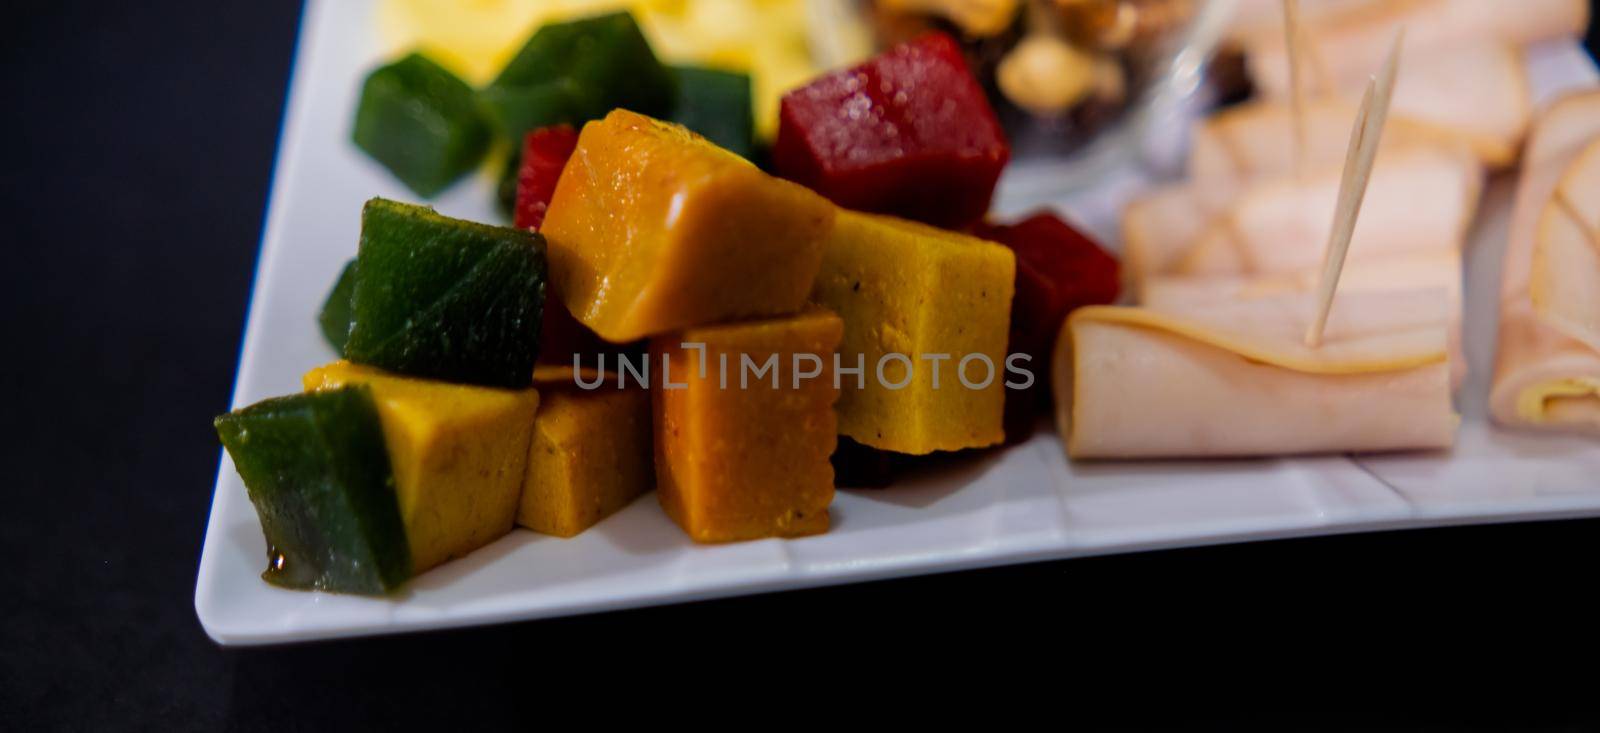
590, 454
922, 293
458, 453
745, 456
652, 229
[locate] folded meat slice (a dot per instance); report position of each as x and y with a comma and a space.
1438, 270
1543, 380
1564, 127
1234, 378
1420, 199
1547, 370
1161, 226
1564, 282
1347, 43
1475, 96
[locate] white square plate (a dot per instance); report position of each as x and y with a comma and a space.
1014, 505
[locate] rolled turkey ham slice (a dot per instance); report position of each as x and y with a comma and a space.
1347, 42
1543, 380
1564, 277
1420, 199
1438, 270
1476, 97
1234, 378
1547, 370
1563, 129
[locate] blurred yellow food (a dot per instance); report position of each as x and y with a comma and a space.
978, 18
765, 38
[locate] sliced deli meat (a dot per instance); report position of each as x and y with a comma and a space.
1234, 378
1438, 270
1475, 96
1547, 370
1420, 199
1347, 43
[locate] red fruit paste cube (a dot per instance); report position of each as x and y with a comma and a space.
908, 133
544, 154
1059, 269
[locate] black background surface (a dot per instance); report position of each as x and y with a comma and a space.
138, 147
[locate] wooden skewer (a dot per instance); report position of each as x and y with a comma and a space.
1353, 185
1297, 93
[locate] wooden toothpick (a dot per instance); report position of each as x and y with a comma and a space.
1358, 162
1297, 94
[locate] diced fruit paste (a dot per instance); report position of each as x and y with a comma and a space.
590, 454
653, 229
457, 452
935, 298
445, 298
422, 123
317, 470
747, 457
908, 133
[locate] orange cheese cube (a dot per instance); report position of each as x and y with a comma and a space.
742, 451
590, 454
653, 229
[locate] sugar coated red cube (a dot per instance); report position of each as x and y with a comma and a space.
908, 133
1059, 269
544, 154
